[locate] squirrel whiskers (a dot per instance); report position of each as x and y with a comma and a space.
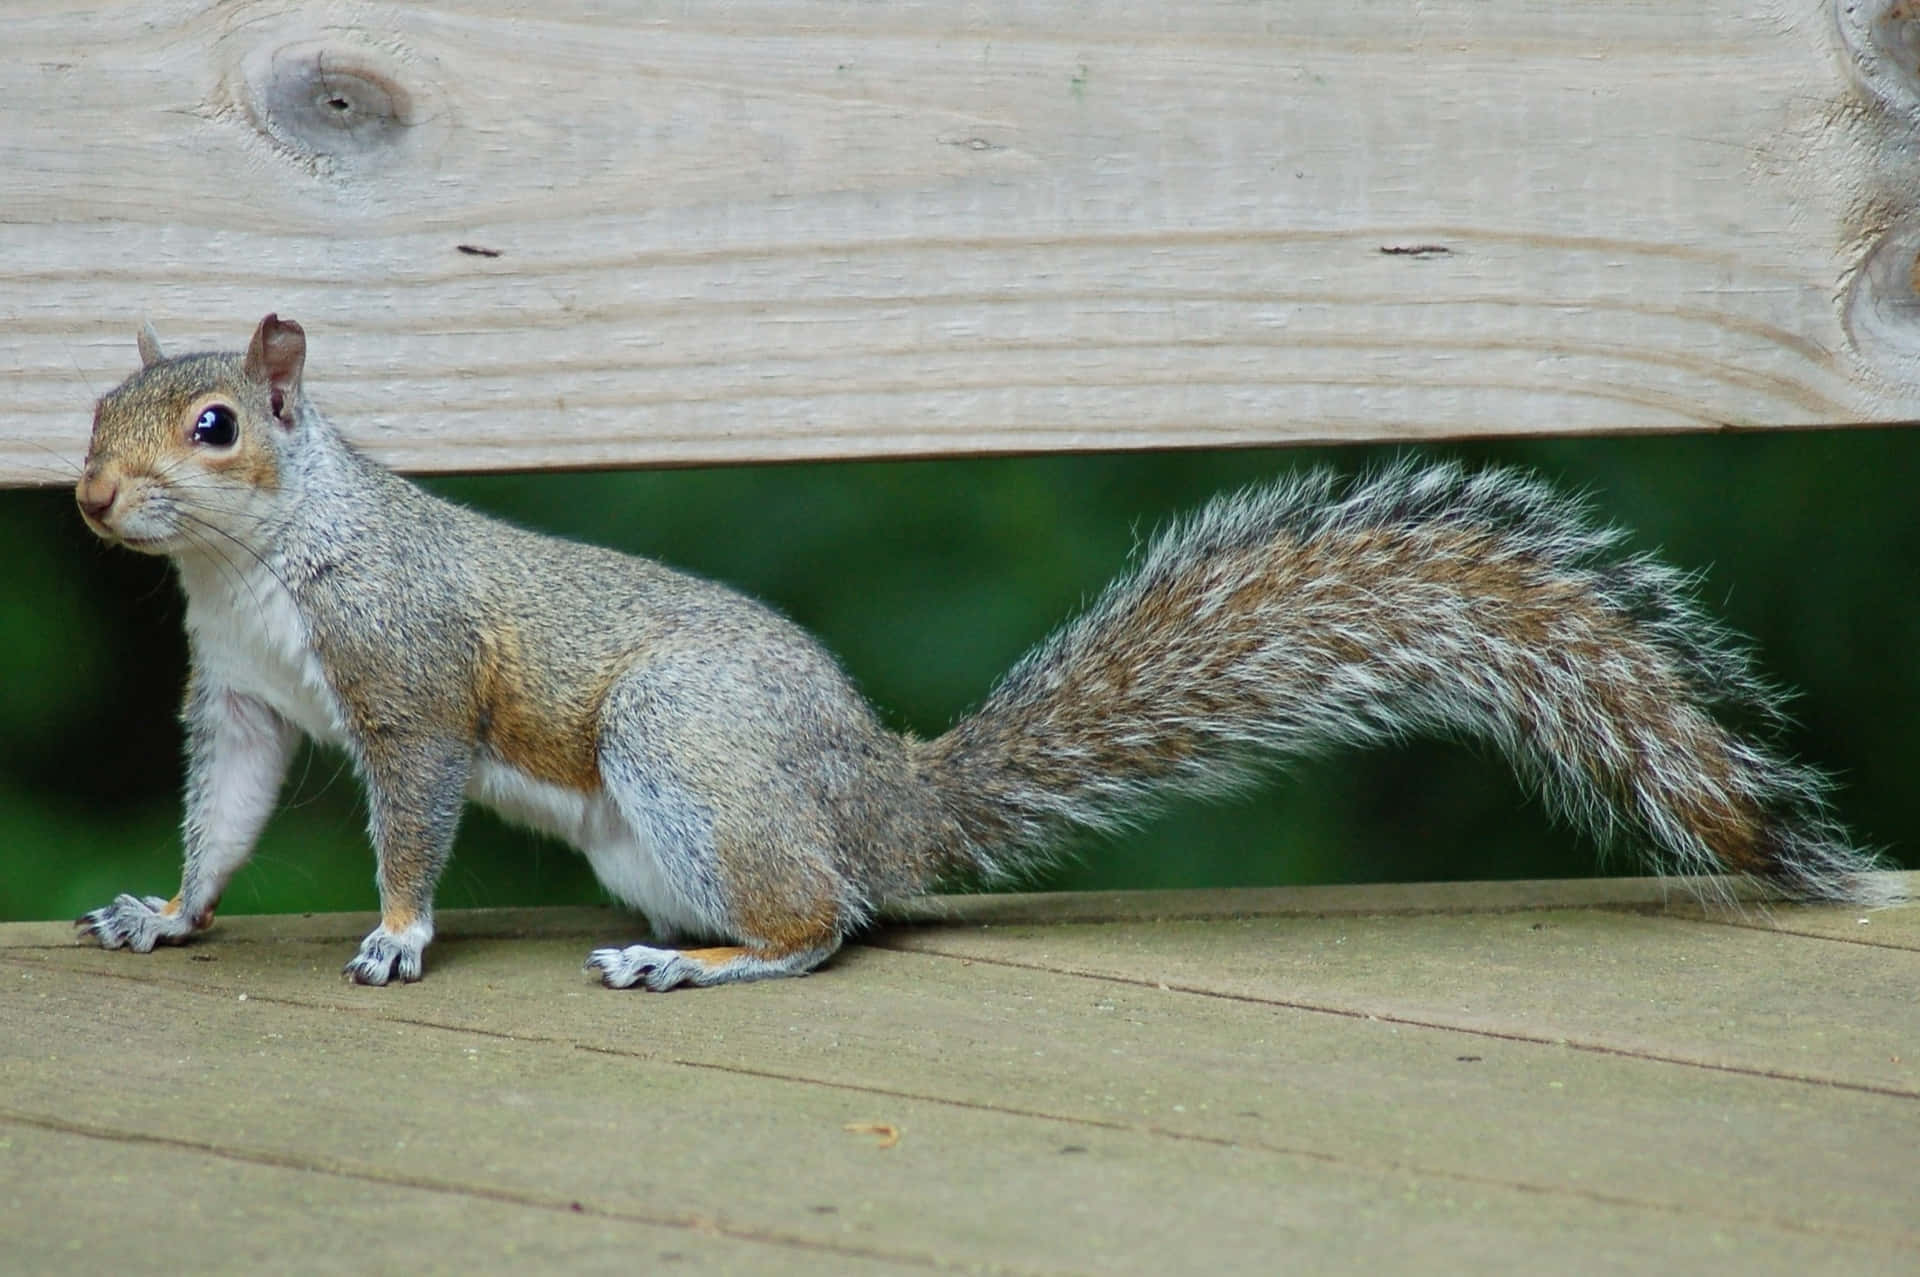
723, 775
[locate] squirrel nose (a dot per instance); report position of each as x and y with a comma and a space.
96, 495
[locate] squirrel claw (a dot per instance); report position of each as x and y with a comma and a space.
655, 969
133, 923
385, 957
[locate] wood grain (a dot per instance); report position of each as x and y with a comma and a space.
1569, 1089
574, 235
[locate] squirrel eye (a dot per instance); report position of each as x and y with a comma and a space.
216, 426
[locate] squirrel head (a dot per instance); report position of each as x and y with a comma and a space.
186, 450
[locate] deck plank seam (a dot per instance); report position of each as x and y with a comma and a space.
1150, 1130
1351, 1013
1383, 1017
1800, 934
712, 1225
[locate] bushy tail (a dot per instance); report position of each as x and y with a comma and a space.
1317, 612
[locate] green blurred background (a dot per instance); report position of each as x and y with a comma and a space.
929, 578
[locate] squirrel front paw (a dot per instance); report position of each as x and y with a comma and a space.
386, 956
133, 923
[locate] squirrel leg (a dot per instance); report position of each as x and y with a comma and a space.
415, 789
707, 851
237, 753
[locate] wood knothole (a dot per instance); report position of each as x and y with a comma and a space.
330, 98
1882, 47
1882, 312
1880, 50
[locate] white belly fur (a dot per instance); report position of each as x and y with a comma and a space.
624, 860
250, 638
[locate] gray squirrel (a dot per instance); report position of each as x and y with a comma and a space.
724, 777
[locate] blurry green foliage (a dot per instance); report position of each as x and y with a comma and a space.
929, 578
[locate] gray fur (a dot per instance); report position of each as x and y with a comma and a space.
723, 774
1437, 659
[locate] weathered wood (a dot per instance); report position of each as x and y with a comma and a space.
1512, 1090
587, 235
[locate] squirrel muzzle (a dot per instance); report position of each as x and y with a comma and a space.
96, 494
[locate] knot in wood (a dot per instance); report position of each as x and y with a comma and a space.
1882, 313
328, 98
1882, 43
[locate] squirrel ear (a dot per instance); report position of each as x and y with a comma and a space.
149, 346
274, 359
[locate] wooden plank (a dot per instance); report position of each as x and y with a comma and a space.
112, 1199
1599, 980
474, 1116
594, 235
1209, 1130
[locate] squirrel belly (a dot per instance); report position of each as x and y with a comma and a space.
722, 774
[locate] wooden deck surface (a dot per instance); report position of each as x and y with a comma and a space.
1564, 1077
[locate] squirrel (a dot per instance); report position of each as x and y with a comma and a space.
725, 778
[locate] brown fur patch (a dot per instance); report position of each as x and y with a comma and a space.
398, 917
777, 932
1537, 611
201, 920
548, 731
719, 956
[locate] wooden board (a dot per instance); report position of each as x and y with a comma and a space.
1238, 1082
584, 235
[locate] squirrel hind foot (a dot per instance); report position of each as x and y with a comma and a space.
643, 966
